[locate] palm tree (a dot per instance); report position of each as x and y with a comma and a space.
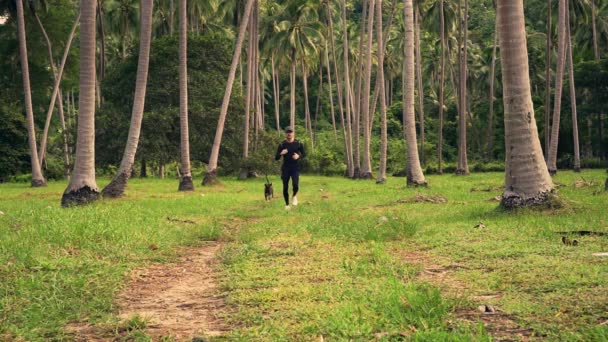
559, 81
490, 133
413, 168
366, 166
57, 81
37, 178
381, 92
118, 185
417, 20
441, 89
527, 181
82, 188
548, 82
463, 167
185, 182
211, 174
577, 153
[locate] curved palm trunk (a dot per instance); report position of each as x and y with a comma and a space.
548, 82
366, 165
57, 81
357, 110
463, 167
419, 79
441, 90
248, 102
37, 178
117, 186
577, 152
348, 101
527, 181
82, 188
559, 81
307, 106
413, 168
382, 96
66, 149
185, 182
490, 135
211, 174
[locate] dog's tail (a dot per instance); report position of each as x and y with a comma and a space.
267, 181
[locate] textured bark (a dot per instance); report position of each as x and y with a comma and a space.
306, 105
380, 75
82, 188
357, 111
37, 178
463, 166
215, 150
248, 99
527, 181
185, 183
366, 164
441, 90
548, 82
559, 81
413, 169
117, 186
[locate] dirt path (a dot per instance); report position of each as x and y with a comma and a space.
180, 300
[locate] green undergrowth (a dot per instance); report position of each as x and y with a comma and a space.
340, 266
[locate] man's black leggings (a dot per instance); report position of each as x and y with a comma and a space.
286, 173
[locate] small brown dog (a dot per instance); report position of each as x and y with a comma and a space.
268, 192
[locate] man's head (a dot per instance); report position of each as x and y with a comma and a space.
289, 133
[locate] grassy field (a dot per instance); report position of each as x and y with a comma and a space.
355, 261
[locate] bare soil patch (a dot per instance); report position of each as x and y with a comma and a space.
180, 300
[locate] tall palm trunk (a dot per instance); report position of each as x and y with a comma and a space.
441, 90
248, 100
527, 181
417, 20
292, 94
548, 82
490, 135
66, 149
343, 105
57, 75
366, 165
117, 186
559, 81
596, 55
330, 93
380, 75
211, 174
306, 105
413, 168
463, 167
83, 186
185, 182
37, 178
358, 99
275, 91
577, 152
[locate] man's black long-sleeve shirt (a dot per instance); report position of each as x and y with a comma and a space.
292, 147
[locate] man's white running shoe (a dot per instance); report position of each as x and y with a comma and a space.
294, 201
287, 207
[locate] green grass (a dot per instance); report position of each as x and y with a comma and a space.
334, 266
